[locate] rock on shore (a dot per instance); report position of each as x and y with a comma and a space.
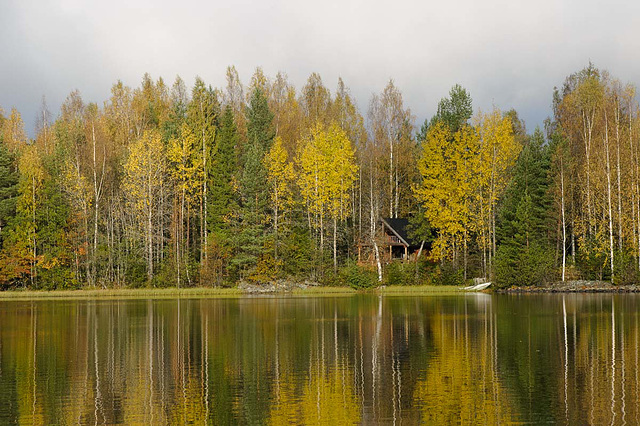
280, 286
578, 286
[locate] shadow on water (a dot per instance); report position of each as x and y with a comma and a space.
473, 358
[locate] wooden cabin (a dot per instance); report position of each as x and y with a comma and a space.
393, 242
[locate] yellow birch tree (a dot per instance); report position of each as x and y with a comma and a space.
327, 173
143, 182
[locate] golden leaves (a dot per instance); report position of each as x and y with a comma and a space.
327, 171
144, 172
463, 175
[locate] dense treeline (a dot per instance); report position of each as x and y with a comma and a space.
162, 185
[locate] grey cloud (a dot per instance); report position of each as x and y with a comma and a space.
506, 53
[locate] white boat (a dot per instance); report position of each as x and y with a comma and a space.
477, 287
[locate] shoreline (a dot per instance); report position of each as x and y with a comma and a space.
574, 286
303, 291
210, 292
543, 290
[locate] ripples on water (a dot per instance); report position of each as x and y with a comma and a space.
480, 359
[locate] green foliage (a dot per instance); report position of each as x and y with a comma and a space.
420, 229
8, 188
449, 275
254, 199
297, 248
222, 200
523, 266
399, 273
626, 266
454, 112
136, 273
357, 277
592, 261
524, 254
527, 202
260, 121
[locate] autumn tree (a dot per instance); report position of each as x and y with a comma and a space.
448, 167
202, 114
391, 128
498, 152
280, 177
143, 183
13, 132
327, 174
186, 168
20, 251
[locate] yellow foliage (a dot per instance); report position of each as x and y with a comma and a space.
13, 131
498, 153
464, 173
327, 171
280, 175
144, 174
187, 168
448, 166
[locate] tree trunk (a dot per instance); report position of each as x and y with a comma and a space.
617, 111
606, 135
418, 259
378, 263
335, 245
564, 222
275, 222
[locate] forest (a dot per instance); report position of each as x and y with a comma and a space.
163, 185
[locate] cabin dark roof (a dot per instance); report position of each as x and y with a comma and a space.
399, 227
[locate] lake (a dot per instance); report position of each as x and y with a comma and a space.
361, 359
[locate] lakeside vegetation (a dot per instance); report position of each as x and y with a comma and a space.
205, 292
162, 186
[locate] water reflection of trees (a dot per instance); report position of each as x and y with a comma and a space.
470, 359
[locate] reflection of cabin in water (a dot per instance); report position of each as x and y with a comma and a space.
393, 242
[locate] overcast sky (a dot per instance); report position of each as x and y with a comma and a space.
507, 53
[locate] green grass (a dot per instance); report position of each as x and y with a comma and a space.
155, 293
204, 292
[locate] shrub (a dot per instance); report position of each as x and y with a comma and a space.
399, 273
450, 275
358, 277
523, 267
626, 269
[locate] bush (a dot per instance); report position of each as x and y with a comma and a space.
358, 277
523, 267
626, 269
449, 275
399, 273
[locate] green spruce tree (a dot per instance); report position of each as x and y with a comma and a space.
454, 111
8, 189
222, 199
254, 196
524, 254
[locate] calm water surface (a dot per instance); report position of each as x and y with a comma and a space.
475, 359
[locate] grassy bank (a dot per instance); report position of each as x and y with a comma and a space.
124, 293
205, 292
